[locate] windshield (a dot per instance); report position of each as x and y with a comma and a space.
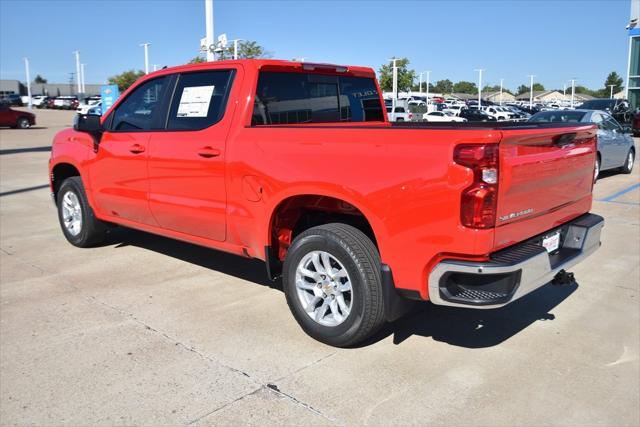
598, 104
558, 116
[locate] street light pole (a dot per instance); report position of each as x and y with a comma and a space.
26, 67
573, 91
479, 70
235, 47
82, 87
208, 18
146, 56
501, 82
531, 76
612, 86
77, 53
428, 75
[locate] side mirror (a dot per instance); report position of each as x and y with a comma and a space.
89, 123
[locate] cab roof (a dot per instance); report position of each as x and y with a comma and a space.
272, 64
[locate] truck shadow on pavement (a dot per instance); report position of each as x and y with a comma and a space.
252, 270
470, 328
477, 328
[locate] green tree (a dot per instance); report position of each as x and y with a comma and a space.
125, 79
495, 88
612, 79
465, 87
247, 49
406, 76
537, 87
40, 80
443, 86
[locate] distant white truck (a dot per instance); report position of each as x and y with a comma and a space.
499, 113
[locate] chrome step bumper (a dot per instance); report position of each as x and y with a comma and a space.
513, 272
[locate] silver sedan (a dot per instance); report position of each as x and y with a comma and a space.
615, 144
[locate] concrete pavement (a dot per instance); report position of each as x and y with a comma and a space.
146, 330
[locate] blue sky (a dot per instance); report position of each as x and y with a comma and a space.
555, 40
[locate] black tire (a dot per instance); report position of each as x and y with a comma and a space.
23, 123
359, 256
92, 230
629, 162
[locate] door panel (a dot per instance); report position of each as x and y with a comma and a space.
186, 182
119, 176
119, 173
186, 162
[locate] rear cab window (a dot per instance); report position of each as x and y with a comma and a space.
298, 98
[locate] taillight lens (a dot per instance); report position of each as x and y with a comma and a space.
479, 200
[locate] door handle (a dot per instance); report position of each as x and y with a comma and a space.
208, 152
136, 149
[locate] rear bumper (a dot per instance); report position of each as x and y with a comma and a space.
513, 272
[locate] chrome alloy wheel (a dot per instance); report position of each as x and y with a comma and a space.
71, 213
630, 160
596, 171
324, 288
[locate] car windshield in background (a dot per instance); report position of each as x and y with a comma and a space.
598, 104
558, 116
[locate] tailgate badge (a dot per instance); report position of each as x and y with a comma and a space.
513, 215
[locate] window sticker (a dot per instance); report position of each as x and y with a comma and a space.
195, 101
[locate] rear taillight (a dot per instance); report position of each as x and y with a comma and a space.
479, 200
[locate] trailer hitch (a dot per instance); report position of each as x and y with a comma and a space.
563, 278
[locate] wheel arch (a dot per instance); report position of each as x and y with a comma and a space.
59, 172
293, 213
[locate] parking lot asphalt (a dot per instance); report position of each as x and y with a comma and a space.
145, 330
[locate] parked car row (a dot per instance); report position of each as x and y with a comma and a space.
615, 146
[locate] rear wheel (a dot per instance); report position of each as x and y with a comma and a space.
333, 284
596, 169
23, 123
77, 220
628, 166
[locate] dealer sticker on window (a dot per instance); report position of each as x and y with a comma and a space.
195, 101
551, 242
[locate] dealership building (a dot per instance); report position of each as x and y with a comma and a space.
633, 72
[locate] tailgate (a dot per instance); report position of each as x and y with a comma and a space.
546, 178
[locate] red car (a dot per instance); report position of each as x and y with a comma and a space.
296, 164
15, 118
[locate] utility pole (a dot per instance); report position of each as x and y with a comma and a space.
531, 76
208, 19
26, 67
573, 91
82, 82
155, 67
479, 70
146, 56
612, 86
501, 81
77, 53
564, 91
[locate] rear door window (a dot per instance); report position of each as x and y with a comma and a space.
199, 99
296, 98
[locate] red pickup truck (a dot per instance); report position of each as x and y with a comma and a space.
296, 164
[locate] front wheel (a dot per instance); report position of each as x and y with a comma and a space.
628, 165
77, 220
333, 284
